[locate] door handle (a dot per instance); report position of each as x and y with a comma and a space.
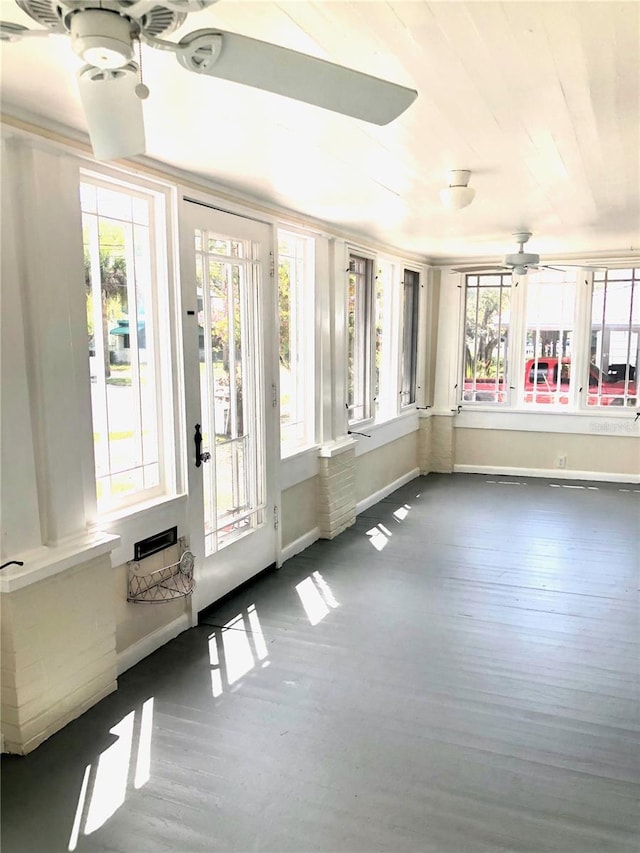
200, 457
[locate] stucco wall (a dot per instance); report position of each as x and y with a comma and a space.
299, 510
615, 455
378, 468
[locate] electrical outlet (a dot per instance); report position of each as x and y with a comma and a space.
561, 461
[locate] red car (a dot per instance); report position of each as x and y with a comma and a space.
546, 380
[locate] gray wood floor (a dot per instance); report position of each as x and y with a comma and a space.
456, 673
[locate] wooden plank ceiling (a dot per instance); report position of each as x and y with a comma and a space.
539, 99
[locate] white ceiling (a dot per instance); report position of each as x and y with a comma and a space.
540, 100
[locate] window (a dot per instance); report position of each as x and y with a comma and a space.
385, 342
411, 300
359, 334
486, 338
557, 338
122, 273
615, 338
296, 300
551, 301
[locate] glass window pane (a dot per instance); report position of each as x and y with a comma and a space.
615, 338
296, 289
359, 322
551, 298
384, 368
409, 337
230, 421
487, 319
118, 258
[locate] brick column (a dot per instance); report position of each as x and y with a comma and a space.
442, 438
424, 445
58, 654
336, 489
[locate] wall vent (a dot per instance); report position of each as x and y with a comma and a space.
153, 544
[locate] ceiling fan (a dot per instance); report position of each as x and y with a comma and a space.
519, 263
103, 33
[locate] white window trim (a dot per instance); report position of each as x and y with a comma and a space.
404, 407
311, 324
578, 408
166, 309
368, 380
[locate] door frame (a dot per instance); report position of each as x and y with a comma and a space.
268, 362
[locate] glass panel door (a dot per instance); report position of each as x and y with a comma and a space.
227, 303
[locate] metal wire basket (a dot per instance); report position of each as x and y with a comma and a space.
165, 584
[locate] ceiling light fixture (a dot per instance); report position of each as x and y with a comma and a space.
457, 195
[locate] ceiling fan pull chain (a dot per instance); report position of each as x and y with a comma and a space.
141, 90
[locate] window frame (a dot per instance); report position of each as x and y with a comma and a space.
578, 404
307, 287
525, 285
410, 340
166, 333
509, 351
364, 343
628, 400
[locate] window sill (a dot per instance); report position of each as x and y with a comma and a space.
583, 422
299, 467
133, 511
48, 561
386, 432
335, 448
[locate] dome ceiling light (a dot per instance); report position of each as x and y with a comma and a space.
457, 195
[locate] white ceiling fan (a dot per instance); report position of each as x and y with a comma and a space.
519, 263
103, 33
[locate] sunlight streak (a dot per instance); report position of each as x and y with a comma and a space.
111, 775
324, 589
402, 512
143, 762
237, 651
243, 645
316, 597
315, 607
110, 786
378, 538
256, 632
75, 830
216, 683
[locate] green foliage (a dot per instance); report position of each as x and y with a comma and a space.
284, 314
485, 330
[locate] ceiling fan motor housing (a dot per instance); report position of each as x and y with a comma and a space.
521, 259
101, 38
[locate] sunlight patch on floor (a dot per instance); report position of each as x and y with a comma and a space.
235, 649
316, 597
104, 784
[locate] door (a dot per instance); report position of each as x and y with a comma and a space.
230, 393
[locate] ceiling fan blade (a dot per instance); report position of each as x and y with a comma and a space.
589, 267
472, 269
295, 75
16, 32
113, 111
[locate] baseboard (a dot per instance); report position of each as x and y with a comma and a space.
546, 473
299, 545
144, 647
387, 490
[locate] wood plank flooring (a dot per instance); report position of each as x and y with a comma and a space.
457, 673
